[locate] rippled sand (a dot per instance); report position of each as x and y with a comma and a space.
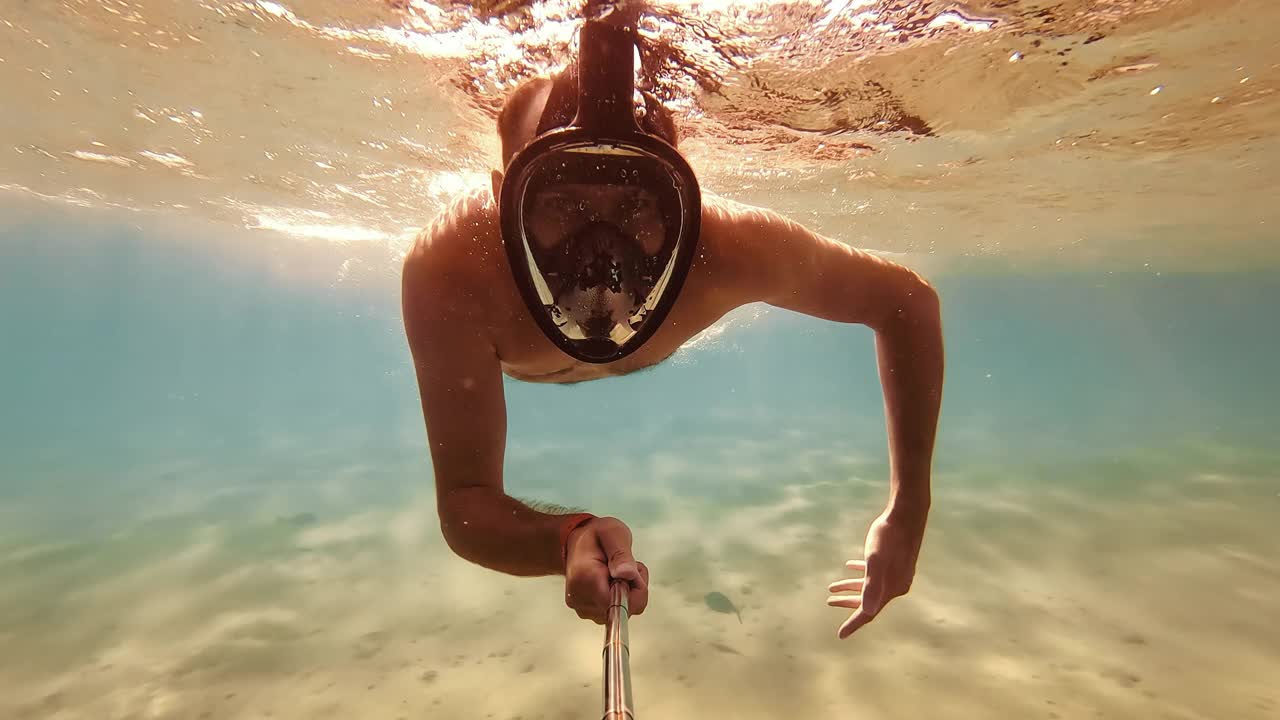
1127, 587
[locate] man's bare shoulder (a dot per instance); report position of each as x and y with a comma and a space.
736, 231
720, 209
737, 236
469, 223
455, 256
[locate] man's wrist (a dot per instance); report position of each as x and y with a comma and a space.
915, 508
910, 497
569, 523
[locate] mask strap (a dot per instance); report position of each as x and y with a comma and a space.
561, 103
606, 77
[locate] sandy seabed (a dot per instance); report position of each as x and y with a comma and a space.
1099, 590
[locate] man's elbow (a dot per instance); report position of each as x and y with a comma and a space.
924, 298
454, 526
917, 305
453, 534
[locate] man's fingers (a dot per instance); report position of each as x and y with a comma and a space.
595, 615
859, 618
868, 606
846, 585
853, 602
596, 612
588, 590
638, 596
866, 601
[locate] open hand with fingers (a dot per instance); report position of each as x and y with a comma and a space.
597, 553
893, 544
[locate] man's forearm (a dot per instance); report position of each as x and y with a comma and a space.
910, 354
497, 531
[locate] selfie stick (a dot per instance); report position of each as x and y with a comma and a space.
617, 658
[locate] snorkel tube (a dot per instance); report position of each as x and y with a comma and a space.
602, 144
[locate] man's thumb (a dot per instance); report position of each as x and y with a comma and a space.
616, 543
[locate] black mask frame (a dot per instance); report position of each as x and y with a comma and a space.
604, 125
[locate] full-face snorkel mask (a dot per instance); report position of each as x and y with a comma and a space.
600, 219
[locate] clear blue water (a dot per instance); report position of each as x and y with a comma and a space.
134, 345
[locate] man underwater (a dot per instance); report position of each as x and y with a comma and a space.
597, 255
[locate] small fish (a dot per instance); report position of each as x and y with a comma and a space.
721, 604
299, 520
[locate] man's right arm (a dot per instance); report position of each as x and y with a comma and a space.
460, 381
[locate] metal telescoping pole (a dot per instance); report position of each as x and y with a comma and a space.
617, 658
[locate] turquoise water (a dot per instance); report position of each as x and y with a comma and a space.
123, 340
217, 499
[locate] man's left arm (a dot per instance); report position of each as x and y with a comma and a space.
777, 261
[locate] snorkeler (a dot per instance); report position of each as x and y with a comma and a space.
597, 255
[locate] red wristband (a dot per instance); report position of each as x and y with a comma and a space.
567, 525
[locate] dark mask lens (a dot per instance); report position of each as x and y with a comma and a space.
603, 232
